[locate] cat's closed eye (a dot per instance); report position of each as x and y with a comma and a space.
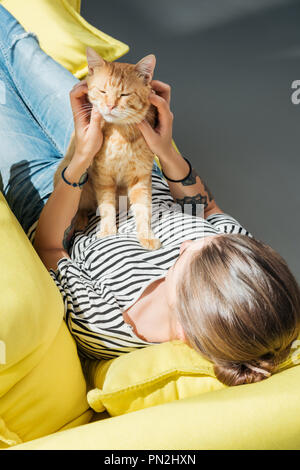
122, 94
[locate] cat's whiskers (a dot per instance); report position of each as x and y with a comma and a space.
87, 109
82, 115
135, 113
84, 110
129, 114
86, 106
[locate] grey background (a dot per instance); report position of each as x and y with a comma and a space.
231, 64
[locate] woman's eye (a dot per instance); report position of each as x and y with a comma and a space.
125, 94
102, 91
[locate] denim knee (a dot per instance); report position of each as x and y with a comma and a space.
10, 33
27, 34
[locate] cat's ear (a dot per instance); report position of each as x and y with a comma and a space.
93, 59
145, 67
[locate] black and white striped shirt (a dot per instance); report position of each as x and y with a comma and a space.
104, 277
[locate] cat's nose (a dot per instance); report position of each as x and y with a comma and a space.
110, 107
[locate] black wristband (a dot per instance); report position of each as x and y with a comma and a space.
75, 185
183, 179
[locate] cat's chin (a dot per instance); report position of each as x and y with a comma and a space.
117, 120
110, 118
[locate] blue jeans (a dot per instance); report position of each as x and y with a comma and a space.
36, 119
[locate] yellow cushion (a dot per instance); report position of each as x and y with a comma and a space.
42, 387
63, 33
7, 437
76, 4
148, 377
293, 358
155, 375
262, 416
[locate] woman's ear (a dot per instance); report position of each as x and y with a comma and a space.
184, 245
94, 60
180, 334
145, 67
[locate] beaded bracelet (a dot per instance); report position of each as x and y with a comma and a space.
75, 185
183, 179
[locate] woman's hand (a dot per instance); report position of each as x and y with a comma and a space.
159, 139
87, 120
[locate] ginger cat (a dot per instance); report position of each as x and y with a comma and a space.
124, 163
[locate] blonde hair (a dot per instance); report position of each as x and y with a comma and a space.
239, 306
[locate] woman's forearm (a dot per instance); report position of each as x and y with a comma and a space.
193, 190
55, 221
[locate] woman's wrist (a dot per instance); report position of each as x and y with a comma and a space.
168, 154
174, 166
76, 168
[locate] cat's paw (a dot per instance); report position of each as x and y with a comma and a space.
150, 243
106, 232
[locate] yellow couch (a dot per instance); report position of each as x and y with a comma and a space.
43, 402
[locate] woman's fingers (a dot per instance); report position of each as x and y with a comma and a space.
146, 130
78, 92
159, 139
163, 89
87, 120
165, 116
80, 104
95, 121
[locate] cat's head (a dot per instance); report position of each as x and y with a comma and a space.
120, 91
